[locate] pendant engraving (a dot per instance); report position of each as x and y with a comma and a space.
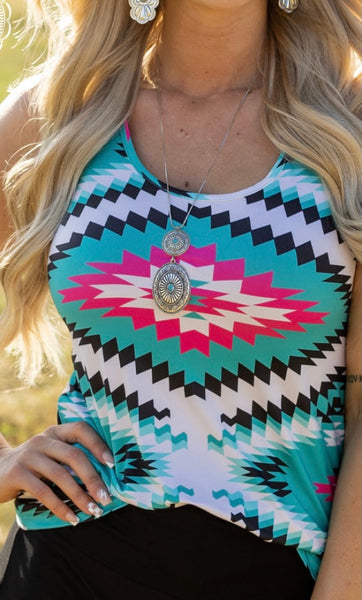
176, 242
171, 288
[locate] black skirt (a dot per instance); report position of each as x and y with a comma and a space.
177, 553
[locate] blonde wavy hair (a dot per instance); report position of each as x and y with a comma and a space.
97, 59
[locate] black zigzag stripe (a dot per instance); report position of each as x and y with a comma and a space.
229, 379
114, 224
146, 410
296, 363
288, 407
342, 281
267, 474
292, 206
74, 242
26, 504
136, 465
265, 533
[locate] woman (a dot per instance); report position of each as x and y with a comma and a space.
190, 166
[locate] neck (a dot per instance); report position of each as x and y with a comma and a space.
208, 50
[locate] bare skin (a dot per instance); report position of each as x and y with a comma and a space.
204, 102
201, 85
24, 468
340, 575
16, 133
44, 457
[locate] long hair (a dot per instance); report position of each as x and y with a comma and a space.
87, 89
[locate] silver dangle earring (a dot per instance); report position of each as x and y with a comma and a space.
288, 5
143, 11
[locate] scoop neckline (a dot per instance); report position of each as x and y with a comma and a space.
141, 169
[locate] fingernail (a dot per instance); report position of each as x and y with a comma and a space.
72, 518
108, 459
94, 510
103, 497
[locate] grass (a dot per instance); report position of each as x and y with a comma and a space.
23, 411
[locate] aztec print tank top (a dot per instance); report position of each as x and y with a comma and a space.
234, 404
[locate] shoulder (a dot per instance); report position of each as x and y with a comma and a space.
18, 124
19, 131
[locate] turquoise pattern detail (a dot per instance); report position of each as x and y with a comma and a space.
235, 404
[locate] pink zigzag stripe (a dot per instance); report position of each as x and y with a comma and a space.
207, 303
327, 488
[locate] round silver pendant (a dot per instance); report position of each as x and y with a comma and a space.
171, 288
176, 242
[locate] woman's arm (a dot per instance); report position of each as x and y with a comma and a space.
17, 132
340, 576
44, 457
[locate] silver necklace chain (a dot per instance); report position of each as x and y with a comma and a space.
171, 287
213, 162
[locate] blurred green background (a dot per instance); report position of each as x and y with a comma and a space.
15, 56
23, 411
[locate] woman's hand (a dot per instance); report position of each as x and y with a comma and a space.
46, 456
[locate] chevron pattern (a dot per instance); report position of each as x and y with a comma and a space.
235, 404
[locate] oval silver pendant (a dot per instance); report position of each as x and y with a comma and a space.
171, 288
176, 242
